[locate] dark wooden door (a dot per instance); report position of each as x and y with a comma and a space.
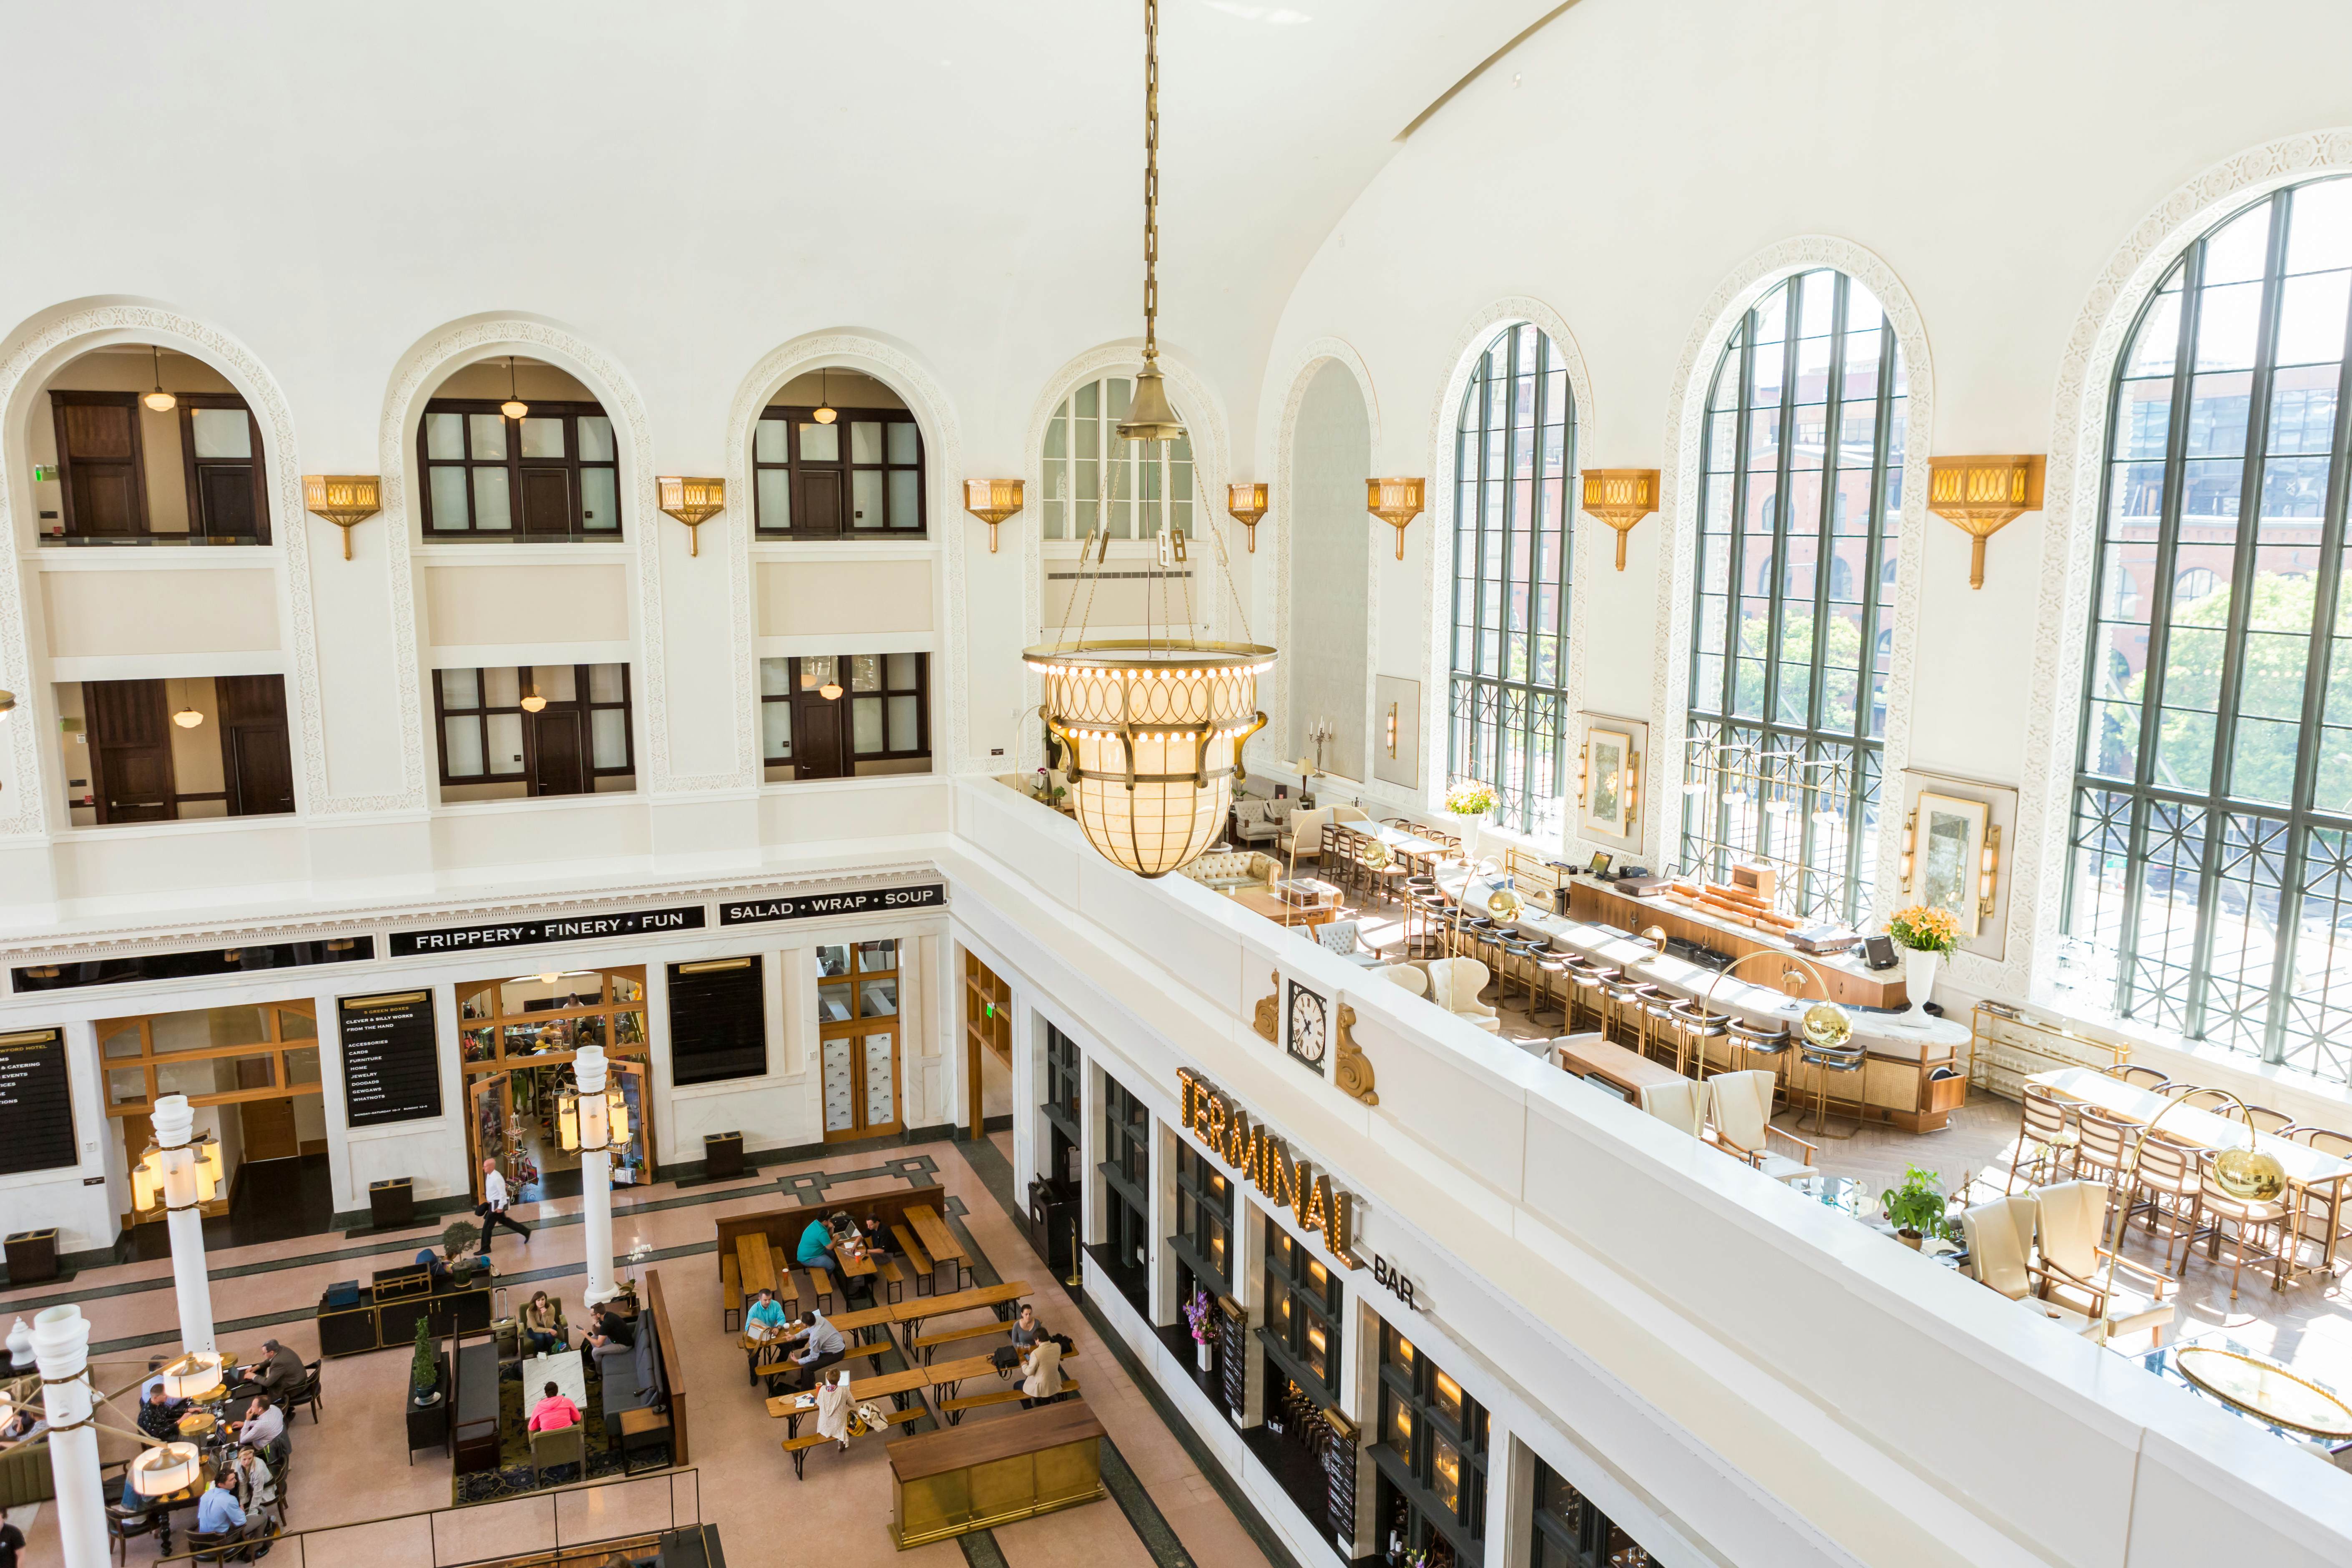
129, 751
105, 494
558, 758
256, 763
547, 502
818, 750
268, 1129
224, 501
816, 512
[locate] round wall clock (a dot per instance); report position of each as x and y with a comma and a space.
1309, 1026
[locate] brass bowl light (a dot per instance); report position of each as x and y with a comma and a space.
991, 502
1248, 505
1980, 496
2250, 1174
693, 502
1395, 502
1621, 497
346, 501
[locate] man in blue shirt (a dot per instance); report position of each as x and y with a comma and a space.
218, 1512
816, 1247
766, 1318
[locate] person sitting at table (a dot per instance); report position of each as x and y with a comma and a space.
608, 1331
435, 1267
815, 1250
256, 1488
1041, 1373
821, 1346
764, 1318
277, 1374
542, 1332
263, 1426
155, 1364
1026, 1329
218, 1513
159, 1416
19, 1422
833, 1408
553, 1411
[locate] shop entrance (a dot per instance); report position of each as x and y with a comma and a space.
251, 1075
858, 1039
520, 1037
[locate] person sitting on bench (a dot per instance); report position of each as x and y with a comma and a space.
1026, 1330
821, 1346
815, 1250
553, 1411
764, 1318
1041, 1373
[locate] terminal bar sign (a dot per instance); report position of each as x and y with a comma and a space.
1316, 1202
534, 933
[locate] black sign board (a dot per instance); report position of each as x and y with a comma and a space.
35, 1103
240, 959
534, 933
392, 1064
718, 1021
849, 901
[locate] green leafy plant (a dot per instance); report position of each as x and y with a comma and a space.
1918, 1204
458, 1244
423, 1371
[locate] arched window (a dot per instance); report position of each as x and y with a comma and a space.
1086, 462
1787, 715
1514, 445
2211, 853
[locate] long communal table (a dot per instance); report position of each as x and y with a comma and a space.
913, 1314
943, 1377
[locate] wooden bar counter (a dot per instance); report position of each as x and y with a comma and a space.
1849, 981
992, 1472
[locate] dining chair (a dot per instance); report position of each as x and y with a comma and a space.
2045, 1138
2166, 1185
2138, 1077
2208, 1099
1740, 1105
560, 1446
2105, 1145
2172, 1091
2327, 1140
2266, 1119
2073, 1266
125, 1525
2242, 1219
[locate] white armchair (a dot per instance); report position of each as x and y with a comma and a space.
1405, 975
1680, 1105
1305, 828
2000, 1235
1454, 984
1256, 822
2073, 1268
1739, 1104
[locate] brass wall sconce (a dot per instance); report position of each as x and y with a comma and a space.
346, 501
1621, 497
693, 502
1981, 496
1395, 502
1247, 504
1392, 728
991, 502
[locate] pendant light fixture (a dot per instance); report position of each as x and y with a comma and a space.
514, 407
185, 716
161, 401
1142, 724
825, 412
830, 691
534, 702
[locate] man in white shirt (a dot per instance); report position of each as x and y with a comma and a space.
492, 1210
263, 1425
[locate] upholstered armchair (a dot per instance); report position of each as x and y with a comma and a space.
1680, 1105
1454, 984
1304, 829
1256, 822
1404, 974
2000, 1235
1739, 1104
559, 1446
2073, 1268
1344, 938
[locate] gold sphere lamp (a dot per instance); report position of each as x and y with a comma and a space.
346, 501
1981, 496
991, 502
2249, 1174
1621, 497
1247, 504
1395, 502
693, 502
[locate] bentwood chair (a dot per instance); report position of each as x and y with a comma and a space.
2245, 1219
2166, 1185
2105, 1146
2326, 1140
2266, 1119
2207, 1099
2045, 1139
2140, 1076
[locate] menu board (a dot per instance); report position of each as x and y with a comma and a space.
392, 1067
35, 1103
718, 1021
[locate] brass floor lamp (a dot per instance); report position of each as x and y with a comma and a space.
1824, 1025
2248, 1174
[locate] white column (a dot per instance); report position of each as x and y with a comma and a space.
175, 1123
595, 1175
61, 1346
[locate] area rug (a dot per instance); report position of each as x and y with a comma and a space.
514, 1476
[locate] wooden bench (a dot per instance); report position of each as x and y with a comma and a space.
920, 1346
820, 1288
916, 1260
731, 1297
864, 1350
798, 1448
894, 1282
953, 1409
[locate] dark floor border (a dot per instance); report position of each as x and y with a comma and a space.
691, 1173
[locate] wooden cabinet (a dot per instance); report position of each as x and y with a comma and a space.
992, 1472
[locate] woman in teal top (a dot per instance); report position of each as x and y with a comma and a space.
816, 1247
766, 1316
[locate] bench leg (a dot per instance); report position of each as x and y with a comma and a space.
800, 1460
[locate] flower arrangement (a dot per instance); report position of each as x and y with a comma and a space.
1200, 1314
1470, 798
1922, 928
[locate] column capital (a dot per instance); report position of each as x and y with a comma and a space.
61, 1342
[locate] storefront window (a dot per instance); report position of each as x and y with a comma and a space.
1126, 1171
1204, 1219
1304, 1303
518, 1039
1569, 1532
1432, 1458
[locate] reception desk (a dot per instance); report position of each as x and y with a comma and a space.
992, 1472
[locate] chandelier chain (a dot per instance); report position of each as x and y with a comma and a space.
1151, 181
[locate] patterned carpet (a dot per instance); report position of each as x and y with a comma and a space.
514, 1476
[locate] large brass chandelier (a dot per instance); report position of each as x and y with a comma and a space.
1151, 729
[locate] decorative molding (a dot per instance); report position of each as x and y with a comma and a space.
943, 467
1353, 1071
1679, 501
1586, 538
1204, 421
2070, 526
1267, 1018
1305, 365
289, 550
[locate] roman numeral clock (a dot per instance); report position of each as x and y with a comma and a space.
1310, 1033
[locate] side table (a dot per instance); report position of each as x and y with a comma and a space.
641, 1429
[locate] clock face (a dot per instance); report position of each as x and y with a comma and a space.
1308, 1039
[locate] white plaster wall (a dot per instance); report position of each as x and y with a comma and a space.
1329, 608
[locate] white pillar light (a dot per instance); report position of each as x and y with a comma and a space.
595, 1173
61, 1347
184, 1179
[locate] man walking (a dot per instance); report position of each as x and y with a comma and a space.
492, 1210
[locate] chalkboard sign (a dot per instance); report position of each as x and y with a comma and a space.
35, 1103
718, 1021
1233, 1365
392, 1066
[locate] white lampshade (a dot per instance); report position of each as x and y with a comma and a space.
194, 1375
161, 1471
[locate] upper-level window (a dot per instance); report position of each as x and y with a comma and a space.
121, 461
550, 475
1514, 445
174, 750
2211, 872
507, 730
858, 475
1095, 480
1799, 508
833, 715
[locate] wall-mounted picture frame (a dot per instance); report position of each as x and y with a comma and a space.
1607, 800
1929, 801
1611, 781
1947, 839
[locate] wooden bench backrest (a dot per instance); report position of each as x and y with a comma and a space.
783, 1226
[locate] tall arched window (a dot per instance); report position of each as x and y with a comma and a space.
1514, 445
1803, 465
1086, 462
2212, 838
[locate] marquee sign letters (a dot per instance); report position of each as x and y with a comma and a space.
1316, 1202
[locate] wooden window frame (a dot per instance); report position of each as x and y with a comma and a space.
258, 464
793, 416
571, 412
857, 1027
276, 1045
588, 707
230, 791
472, 1060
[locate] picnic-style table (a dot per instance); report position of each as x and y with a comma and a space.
945, 1377
938, 1242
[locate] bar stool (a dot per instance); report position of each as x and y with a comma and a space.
1760, 1048
1618, 1009
1429, 940
1551, 986
1828, 1062
1694, 1027
1523, 953
1583, 994
1658, 1024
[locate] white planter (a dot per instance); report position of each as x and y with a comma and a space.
1919, 974
1202, 1352
1470, 826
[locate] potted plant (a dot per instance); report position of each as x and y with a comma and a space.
458, 1244
1925, 933
1473, 803
423, 1369
1916, 1208
1047, 791
1200, 1314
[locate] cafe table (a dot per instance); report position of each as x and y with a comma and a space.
2316, 1181
1628, 1071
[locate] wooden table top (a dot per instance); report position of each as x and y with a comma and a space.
1394, 837
1628, 1069
2304, 1165
916, 1310
960, 1448
856, 1265
881, 1385
1259, 901
933, 1233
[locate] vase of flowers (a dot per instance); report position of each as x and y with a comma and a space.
1925, 933
1472, 802
1200, 1316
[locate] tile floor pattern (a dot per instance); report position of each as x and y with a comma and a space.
351, 1466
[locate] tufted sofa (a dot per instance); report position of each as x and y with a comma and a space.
1235, 869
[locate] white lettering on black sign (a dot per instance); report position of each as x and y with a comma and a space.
532, 933
35, 1103
392, 1065
814, 906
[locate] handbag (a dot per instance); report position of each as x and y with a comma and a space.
1004, 1359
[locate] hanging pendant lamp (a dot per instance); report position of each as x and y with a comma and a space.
1143, 724
514, 407
161, 401
185, 716
825, 412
